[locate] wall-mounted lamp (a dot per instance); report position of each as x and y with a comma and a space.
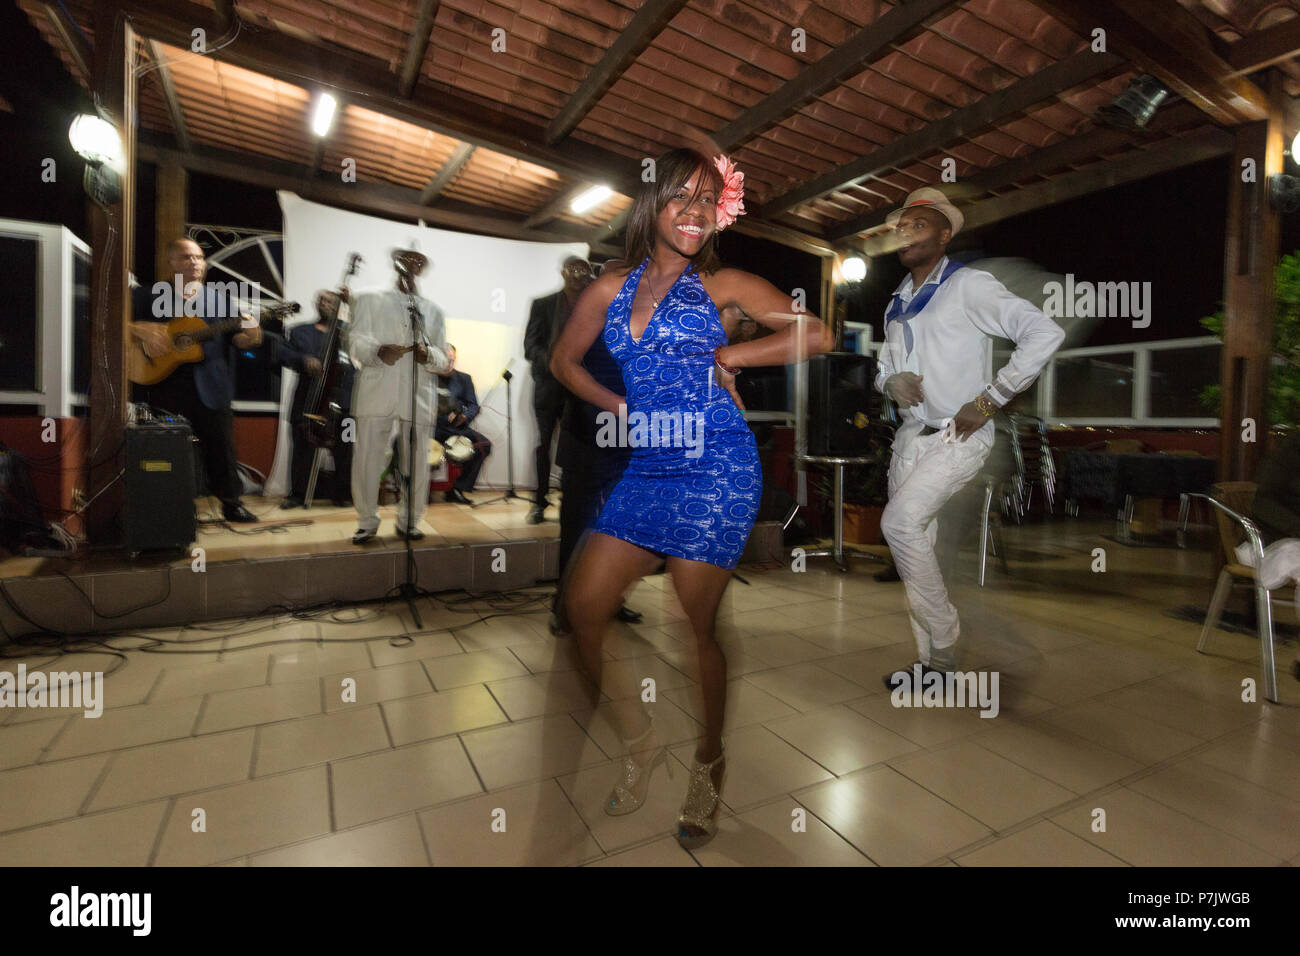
97, 142
854, 269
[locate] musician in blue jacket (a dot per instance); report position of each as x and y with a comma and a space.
201, 391
455, 421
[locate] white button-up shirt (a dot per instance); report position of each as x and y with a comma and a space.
952, 343
381, 318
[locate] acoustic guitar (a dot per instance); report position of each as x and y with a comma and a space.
186, 333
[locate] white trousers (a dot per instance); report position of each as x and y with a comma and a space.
374, 438
924, 472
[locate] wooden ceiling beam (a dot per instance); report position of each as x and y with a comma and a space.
443, 177
376, 198
416, 47
640, 32
870, 43
174, 111
1160, 37
72, 39
557, 205
1174, 153
369, 80
1088, 145
1074, 70
226, 17
1265, 48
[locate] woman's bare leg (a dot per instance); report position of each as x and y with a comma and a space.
603, 570
699, 588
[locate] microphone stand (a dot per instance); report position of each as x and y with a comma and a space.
510, 450
408, 590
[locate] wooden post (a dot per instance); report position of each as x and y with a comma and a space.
171, 213
1250, 256
112, 231
829, 313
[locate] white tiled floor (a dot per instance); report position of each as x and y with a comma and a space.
350, 741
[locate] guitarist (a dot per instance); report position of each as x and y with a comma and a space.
200, 391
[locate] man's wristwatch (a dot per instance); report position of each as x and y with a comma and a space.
985, 405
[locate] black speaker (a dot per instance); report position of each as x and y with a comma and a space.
841, 403
159, 487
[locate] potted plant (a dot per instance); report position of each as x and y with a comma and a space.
1284, 375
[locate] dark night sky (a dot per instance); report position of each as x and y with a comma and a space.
1167, 230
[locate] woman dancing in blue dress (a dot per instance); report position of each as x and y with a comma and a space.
691, 490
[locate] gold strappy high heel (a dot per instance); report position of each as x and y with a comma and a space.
633, 787
700, 808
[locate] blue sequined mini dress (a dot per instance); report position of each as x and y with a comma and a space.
692, 486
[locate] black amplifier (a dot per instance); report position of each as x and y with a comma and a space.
841, 403
159, 487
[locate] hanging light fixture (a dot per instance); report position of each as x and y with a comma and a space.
1134, 107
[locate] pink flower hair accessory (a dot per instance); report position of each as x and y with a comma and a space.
731, 203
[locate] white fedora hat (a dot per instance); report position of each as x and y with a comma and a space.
929, 196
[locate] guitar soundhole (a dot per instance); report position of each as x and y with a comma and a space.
183, 341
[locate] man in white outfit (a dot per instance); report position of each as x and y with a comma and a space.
386, 351
936, 364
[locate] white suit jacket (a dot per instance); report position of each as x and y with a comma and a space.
381, 318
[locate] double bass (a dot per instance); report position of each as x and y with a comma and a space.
322, 416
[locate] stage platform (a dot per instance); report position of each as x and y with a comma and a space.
292, 559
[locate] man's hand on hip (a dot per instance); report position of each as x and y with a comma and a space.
905, 388
968, 420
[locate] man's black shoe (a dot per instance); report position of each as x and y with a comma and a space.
888, 574
238, 513
291, 502
537, 515
415, 535
910, 671
361, 536
456, 496
627, 615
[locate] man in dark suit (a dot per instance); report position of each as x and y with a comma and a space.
589, 472
464, 409
545, 320
199, 391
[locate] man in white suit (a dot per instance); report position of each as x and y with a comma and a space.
386, 351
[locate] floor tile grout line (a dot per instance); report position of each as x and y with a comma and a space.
1123, 783
154, 851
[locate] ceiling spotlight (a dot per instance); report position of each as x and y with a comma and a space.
324, 118
854, 269
1134, 107
590, 199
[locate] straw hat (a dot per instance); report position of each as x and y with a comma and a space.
929, 196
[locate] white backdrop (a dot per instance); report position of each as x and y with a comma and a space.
484, 287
